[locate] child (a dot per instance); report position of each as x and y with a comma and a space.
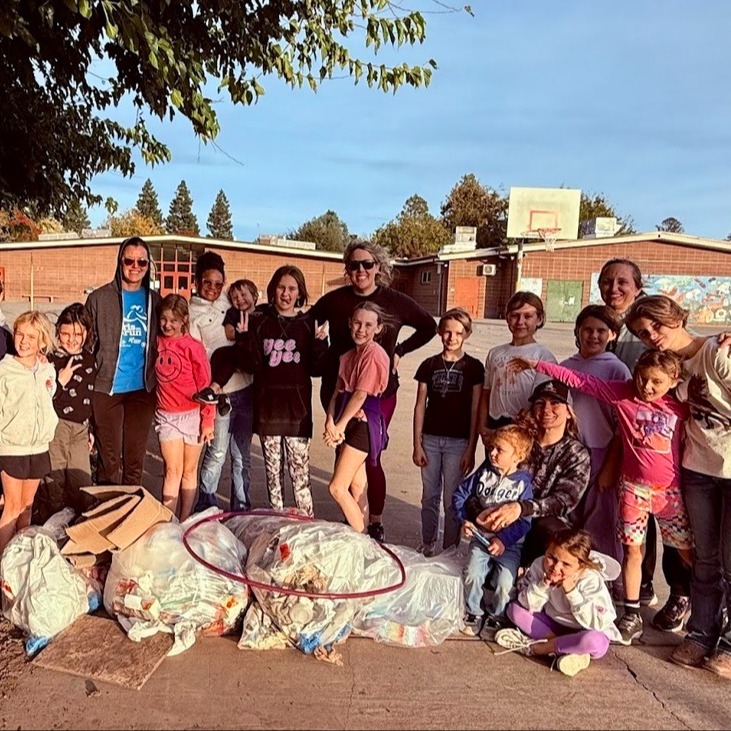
75, 374
706, 473
445, 426
563, 606
354, 420
181, 424
283, 348
243, 296
502, 397
497, 481
27, 420
596, 327
650, 425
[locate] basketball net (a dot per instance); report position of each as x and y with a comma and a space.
549, 236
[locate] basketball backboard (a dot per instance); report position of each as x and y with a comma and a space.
533, 211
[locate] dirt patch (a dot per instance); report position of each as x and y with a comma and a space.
12, 657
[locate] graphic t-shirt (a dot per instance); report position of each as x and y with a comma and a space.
73, 401
130, 373
449, 387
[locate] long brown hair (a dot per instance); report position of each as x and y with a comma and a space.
578, 544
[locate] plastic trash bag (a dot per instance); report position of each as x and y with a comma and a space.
423, 612
41, 592
155, 585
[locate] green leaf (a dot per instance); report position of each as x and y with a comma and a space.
84, 8
176, 98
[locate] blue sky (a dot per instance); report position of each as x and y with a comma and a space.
629, 98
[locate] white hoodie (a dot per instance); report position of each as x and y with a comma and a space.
27, 417
588, 606
206, 325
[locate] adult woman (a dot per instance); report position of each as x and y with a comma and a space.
620, 285
561, 466
231, 431
123, 404
368, 268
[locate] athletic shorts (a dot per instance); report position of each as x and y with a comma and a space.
185, 425
26, 466
357, 436
638, 500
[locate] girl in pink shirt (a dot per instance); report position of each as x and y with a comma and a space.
182, 425
651, 424
354, 421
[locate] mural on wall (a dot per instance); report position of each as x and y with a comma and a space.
707, 298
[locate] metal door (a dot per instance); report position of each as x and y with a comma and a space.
563, 299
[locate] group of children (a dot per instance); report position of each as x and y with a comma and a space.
665, 413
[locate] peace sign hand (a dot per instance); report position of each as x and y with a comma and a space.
243, 324
322, 331
67, 372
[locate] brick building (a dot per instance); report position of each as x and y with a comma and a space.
696, 272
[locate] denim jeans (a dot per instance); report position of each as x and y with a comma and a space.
440, 479
708, 500
231, 433
479, 565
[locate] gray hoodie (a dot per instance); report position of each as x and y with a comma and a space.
105, 306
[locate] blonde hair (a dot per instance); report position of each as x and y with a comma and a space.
518, 436
379, 254
36, 319
458, 315
656, 307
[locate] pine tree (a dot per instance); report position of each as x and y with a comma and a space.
148, 204
76, 219
219, 219
181, 219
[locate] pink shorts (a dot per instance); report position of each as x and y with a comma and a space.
638, 500
185, 425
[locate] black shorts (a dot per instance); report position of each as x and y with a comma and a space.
26, 466
357, 436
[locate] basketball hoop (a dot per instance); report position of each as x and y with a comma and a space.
549, 236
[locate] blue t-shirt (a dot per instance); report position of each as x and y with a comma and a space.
130, 373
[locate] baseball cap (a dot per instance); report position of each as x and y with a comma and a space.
554, 389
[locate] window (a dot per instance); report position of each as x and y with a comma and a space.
167, 282
426, 277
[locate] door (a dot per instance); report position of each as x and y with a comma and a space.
176, 270
563, 299
467, 294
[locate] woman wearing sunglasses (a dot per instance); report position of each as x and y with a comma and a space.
123, 404
368, 268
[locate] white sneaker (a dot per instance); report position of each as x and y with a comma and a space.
572, 664
428, 549
471, 625
513, 640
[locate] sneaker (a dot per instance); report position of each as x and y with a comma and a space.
690, 654
572, 664
376, 532
428, 549
224, 405
630, 627
206, 396
671, 617
719, 663
492, 626
513, 640
471, 625
648, 598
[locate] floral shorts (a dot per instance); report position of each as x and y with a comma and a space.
637, 501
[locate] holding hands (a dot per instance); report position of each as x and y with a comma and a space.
333, 434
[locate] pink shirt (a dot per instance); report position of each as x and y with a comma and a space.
651, 431
182, 368
364, 370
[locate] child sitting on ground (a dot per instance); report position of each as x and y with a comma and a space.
564, 607
496, 481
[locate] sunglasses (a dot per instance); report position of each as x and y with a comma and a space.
142, 263
210, 283
367, 264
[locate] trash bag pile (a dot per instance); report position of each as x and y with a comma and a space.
155, 585
42, 593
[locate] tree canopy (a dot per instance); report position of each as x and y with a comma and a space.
76, 217
219, 219
327, 231
161, 56
414, 232
134, 223
596, 205
181, 219
470, 203
671, 225
148, 204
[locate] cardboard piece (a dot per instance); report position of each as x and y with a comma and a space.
125, 513
96, 647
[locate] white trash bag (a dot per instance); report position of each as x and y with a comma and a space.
41, 592
155, 585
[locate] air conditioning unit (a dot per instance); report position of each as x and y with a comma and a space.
487, 270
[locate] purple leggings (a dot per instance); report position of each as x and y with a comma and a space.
539, 626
